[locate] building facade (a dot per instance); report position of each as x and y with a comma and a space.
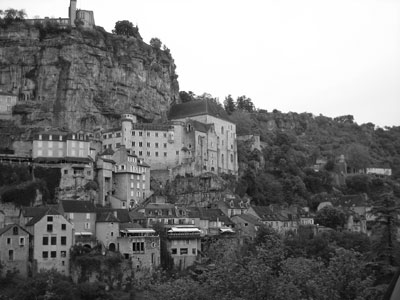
7, 102
14, 249
52, 240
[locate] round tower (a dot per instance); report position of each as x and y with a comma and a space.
72, 13
126, 128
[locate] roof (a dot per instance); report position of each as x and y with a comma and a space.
249, 218
77, 206
199, 126
8, 227
63, 159
131, 226
106, 217
197, 108
37, 218
122, 214
29, 212
107, 151
211, 214
135, 215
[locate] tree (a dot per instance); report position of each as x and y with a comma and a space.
229, 104
125, 28
155, 43
244, 103
357, 156
330, 217
186, 96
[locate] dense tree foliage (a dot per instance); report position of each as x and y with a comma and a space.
126, 28
155, 43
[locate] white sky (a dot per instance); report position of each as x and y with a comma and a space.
330, 57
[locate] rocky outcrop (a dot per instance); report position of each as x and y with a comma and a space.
82, 79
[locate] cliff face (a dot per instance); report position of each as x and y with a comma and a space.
83, 79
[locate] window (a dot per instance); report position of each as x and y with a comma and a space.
22, 241
138, 247
133, 144
165, 154
15, 230
174, 251
53, 254
156, 145
10, 254
71, 216
45, 240
165, 134
63, 253
148, 133
148, 153
87, 216
165, 145
45, 254
140, 144
133, 133
8, 241
118, 145
140, 153
87, 225
65, 172
89, 173
140, 133
194, 251
54, 240
156, 154
177, 152
49, 218
63, 240
222, 129
156, 134
183, 251
148, 144
110, 135
63, 226
144, 177
49, 227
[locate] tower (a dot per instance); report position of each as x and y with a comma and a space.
72, 12
127, 120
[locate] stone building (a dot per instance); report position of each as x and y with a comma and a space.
199, 136
53, 236
183, 243
14, 249
140, 245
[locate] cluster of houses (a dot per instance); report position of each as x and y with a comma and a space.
42, 237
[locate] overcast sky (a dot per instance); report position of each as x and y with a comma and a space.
324, 57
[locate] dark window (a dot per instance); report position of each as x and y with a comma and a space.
53, 254
148, 133
118, 145
49, 218
49, 227
165, 154
165, 145
156, 134
156, 145
45, 240
63, 240
45, 254
140, 133
194, 251
10, 254
15, 231
63, 226
174, 251
65, 172
184, 251
8, 241
140, 144
156, 154
148, 144
54, 240
138, 247
63, 253
133, 144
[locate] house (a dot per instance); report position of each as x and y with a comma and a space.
211, 221
107, 229
82, 215
53, 236
279, 219
233, 205
246, 225
14, 249
104, 168
131, 179
140, 245
183, 243
167, 214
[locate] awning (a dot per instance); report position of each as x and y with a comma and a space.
229, 230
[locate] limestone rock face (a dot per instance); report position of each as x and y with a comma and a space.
83, 79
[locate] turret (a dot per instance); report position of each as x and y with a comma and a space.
126, 128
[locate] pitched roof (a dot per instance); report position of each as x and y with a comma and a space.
106, 217
8, 227
37, 218
122, 214
249, 218
197, 108
77, 206
135, 215
210, 214
199, 126
29, 212
107, 151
